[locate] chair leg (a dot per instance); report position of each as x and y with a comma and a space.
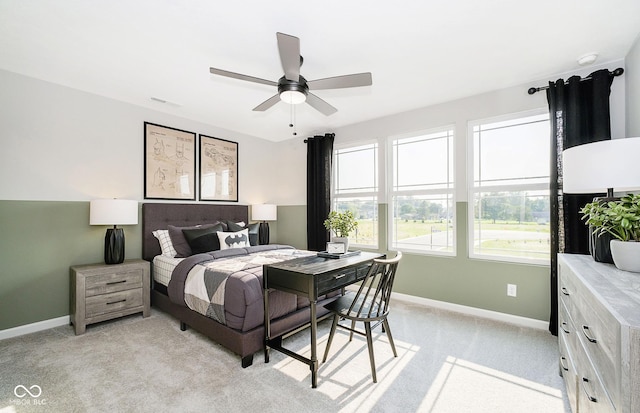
353, 326
385, 324
336, 318
367, 327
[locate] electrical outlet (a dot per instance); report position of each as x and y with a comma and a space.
512, 290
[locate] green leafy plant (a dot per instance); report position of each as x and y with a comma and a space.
619, 218
341, 223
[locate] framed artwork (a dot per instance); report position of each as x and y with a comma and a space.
169, 163
218, 169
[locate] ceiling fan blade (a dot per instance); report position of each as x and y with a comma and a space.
289, 47
238, 76
338, 82
267, 103
320, 105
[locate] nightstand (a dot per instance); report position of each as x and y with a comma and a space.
101, 292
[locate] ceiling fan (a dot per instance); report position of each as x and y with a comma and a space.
293, 88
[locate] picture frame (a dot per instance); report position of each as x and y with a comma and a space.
169, 163
218, 169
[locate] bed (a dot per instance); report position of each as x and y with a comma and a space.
243, 334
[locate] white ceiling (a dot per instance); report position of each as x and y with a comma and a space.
420, 52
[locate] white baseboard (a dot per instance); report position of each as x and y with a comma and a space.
473, 311
34, 327
478, 312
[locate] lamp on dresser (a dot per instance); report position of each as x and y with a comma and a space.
603, 166
264, 213
113, 212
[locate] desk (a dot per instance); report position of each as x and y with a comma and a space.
310, 277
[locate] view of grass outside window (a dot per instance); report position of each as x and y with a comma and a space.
509, 197
356, 189
422, 208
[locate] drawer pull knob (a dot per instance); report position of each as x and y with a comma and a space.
337, 277
565, 291
116, 282
585, 331
116, 302
565, 368
562, 326
584, 389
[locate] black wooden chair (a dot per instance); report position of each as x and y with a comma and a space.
369, 305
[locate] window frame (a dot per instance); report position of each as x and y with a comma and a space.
391, 192
375, 194
472, 190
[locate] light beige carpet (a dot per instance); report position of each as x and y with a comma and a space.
447, 363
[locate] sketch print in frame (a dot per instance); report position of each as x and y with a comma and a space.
218, 169
169, 163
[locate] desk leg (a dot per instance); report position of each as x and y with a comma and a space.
267, 325
314, 355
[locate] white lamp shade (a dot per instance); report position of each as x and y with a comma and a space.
113, 212
264, 212
597, 166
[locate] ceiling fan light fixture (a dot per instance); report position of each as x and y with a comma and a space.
293, 97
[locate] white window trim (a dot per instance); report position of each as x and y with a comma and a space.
471, 190
372, 194
389, 192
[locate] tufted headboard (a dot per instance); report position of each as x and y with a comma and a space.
159, 216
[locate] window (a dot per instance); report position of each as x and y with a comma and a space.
422, 208
509, 194
356, 188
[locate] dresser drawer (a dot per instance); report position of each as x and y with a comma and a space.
568, 371
113, 282
596, 328
592, 396
113, 302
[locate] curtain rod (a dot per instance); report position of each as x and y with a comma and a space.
533, 90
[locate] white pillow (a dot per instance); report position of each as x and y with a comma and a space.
166, 246
238, 239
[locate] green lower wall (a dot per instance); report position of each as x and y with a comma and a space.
459, 280
40, 240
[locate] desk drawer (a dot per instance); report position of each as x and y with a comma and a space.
114, 282
336, 280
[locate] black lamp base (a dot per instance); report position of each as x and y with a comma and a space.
114, 246
263, 233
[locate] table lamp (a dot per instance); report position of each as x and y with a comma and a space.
113, 212
264, 213
603, 166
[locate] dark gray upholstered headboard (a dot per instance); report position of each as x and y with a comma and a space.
159, 216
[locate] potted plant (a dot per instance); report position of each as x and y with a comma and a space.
341, 224
620, 219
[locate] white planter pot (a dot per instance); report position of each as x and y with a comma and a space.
626, 255
343, 240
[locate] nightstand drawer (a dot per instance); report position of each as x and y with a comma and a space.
111, 283
109, 303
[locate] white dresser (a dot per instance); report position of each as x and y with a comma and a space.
599, 335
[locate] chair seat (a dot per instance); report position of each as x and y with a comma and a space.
341, 307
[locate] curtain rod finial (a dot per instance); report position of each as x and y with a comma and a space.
532, 90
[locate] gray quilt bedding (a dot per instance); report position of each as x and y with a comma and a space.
226, 285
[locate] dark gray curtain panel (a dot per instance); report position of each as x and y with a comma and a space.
319, 166
579, 114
